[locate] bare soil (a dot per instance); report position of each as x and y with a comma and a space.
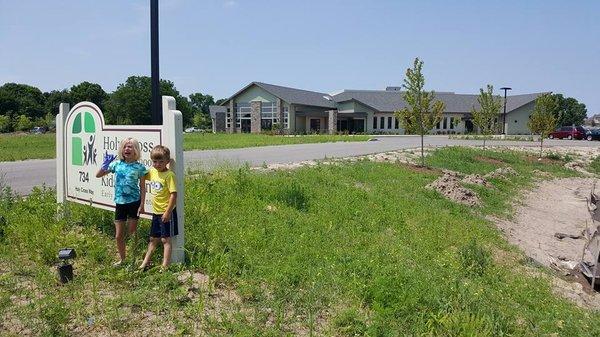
489, 160
556, 206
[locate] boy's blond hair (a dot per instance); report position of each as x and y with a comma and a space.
136, 148
160, 152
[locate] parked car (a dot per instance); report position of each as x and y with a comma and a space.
191, 129
569, 132
39, 129
592, 134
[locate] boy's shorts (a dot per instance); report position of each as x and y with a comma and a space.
127, 211
161, 229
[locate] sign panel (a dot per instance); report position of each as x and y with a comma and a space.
86, 141
82, 139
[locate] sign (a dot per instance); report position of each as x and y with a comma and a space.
82, 139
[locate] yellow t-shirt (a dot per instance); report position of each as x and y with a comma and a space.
162, 184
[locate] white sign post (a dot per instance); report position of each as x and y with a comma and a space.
82, 139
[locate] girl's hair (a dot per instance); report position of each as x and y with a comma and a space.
136, 148
160, 152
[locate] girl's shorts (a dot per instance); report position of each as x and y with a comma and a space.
127, 211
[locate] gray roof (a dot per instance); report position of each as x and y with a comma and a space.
214, 109
292, 95
389, 101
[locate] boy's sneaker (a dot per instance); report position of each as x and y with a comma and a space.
118, 264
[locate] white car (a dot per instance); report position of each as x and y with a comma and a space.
192, 129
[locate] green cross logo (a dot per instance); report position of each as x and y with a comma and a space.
83, 154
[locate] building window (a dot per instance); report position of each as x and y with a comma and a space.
374, 122
445, 125
396, 124
382, 123
451, 122
389, 122
242, 116
268, 115
315, 124
266, 124
437, 126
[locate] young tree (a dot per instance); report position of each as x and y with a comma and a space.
22, 123
487, 116
199, 120
4, 123
542, 119
422, 112
200, 105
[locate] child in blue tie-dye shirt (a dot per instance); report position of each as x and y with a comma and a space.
129, 189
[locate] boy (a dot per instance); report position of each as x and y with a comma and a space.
164, 217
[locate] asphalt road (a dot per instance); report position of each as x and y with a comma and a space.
22, 176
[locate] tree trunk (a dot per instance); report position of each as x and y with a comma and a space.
422, 156
541, 146
484, 142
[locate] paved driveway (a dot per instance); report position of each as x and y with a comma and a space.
22, 176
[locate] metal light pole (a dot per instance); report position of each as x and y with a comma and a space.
504, 115
156, 99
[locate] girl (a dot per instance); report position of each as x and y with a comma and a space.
129, 189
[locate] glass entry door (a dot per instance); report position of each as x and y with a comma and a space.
315, 125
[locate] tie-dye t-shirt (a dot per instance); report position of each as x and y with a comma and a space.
127, 180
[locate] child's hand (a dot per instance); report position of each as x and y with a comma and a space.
166, 217
108, 158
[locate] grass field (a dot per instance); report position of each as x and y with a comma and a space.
26, 146
21, 147
210, 141
345, 250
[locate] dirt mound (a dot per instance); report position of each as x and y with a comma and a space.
501, 173
404, 156
476, 179
449, 186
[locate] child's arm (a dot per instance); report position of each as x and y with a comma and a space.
142, 195
108, 158
101, 173
166, 217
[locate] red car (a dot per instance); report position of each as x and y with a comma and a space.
569, 132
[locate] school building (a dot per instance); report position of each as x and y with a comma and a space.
260, 106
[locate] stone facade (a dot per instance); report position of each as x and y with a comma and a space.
332, 122
255, 109
280, 115
232, 114
220, 122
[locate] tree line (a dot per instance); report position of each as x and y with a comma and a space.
23, 106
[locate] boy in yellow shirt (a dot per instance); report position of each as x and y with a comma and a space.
164, 217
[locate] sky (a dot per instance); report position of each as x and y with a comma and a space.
217, 47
